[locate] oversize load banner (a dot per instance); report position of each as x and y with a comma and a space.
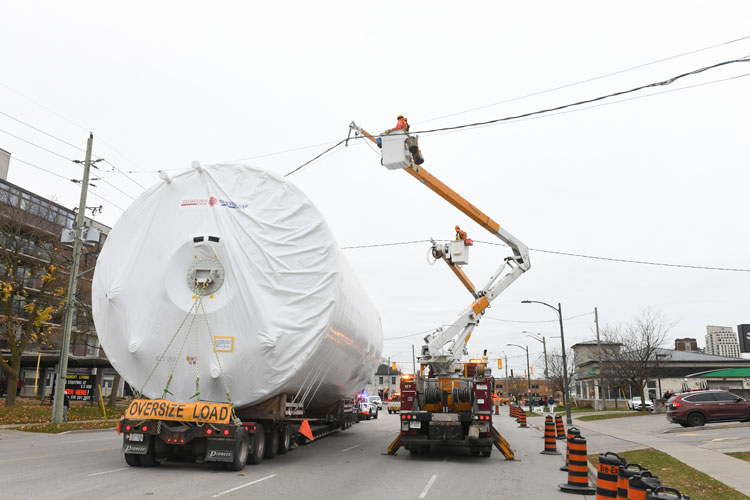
159, 409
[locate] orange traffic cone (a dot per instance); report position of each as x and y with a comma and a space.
559, 426
573, 431
522, 420
639, 485
606, 477
623, 478
578, 469
550, 447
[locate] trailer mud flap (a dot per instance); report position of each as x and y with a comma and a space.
135, 447
220, 450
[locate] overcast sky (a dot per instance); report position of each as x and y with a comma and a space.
662, 178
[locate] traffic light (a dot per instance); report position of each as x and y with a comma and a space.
499, 364
532, 370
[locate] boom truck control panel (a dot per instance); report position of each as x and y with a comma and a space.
449, 402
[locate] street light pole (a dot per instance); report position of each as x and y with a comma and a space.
544, 347
566, 389
528, 368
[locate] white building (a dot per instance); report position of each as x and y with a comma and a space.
722, 341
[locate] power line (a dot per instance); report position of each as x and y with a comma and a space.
342, 141
588, 80
42, 131
36, 145
544, 321
567, 254
668, 81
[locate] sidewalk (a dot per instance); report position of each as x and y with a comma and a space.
729, 470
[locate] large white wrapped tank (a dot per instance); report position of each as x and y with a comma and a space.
284, 312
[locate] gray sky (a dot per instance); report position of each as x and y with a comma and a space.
661, 178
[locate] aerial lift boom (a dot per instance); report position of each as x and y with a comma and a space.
446, 360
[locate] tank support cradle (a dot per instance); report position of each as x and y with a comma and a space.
502, 445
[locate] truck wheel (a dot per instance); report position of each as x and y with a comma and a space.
414, 451
272, 442
132, 460
286, 439
149, 459
376, 414
474, 452
486, 452
258, 446
240, 452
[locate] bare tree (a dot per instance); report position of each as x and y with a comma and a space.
31, 288
631, 348
555, 369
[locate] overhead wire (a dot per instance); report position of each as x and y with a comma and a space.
662, 83
567, 254
342, 141
588, 80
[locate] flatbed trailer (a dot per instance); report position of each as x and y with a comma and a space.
155, 431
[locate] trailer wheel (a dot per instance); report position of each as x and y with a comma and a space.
272, 442
258, 446
132, 460
240, 452
286, 439
149, 459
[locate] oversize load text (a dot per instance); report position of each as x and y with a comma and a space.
213, 413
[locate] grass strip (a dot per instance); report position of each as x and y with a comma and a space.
607, 416
70, 426
675, 474
26, 412
742, 455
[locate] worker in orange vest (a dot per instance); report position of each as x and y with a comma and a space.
402, 124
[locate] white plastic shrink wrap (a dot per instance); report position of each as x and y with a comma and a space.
286, 313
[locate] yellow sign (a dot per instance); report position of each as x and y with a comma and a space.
159, 409
499, 364
394, 367
223, 344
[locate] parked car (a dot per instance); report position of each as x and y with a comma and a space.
693, 409
377, 402
635, 404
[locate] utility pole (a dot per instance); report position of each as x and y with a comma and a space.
413, 361
72, 283
599, 347
506, 366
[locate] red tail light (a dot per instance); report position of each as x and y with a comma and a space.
144, 428
226, 432
209, 431
675, 404
127, 427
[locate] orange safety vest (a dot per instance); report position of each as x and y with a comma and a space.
401, 125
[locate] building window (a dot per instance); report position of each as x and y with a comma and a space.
92, 346
393, 380
380, 380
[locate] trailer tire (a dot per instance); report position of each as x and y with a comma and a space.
258, 446
241, 449
132, 460
149, 459
272, 442
285, 443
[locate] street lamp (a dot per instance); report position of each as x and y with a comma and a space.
566, 389
544, 346
528, 369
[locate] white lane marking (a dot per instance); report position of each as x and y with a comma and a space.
108, 471
87, 440
244, 485
350, 448
427, 488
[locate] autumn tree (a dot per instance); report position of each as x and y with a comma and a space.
31, 284
556, 371
630, 349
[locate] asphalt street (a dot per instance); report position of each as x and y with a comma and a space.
345, 465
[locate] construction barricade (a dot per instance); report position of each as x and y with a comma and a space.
623, 477
550, 445
641, 484
578, 468
607, 475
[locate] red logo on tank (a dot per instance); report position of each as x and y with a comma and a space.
212, 201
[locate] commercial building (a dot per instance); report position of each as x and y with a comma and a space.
30, 234
688, 344
722, 341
